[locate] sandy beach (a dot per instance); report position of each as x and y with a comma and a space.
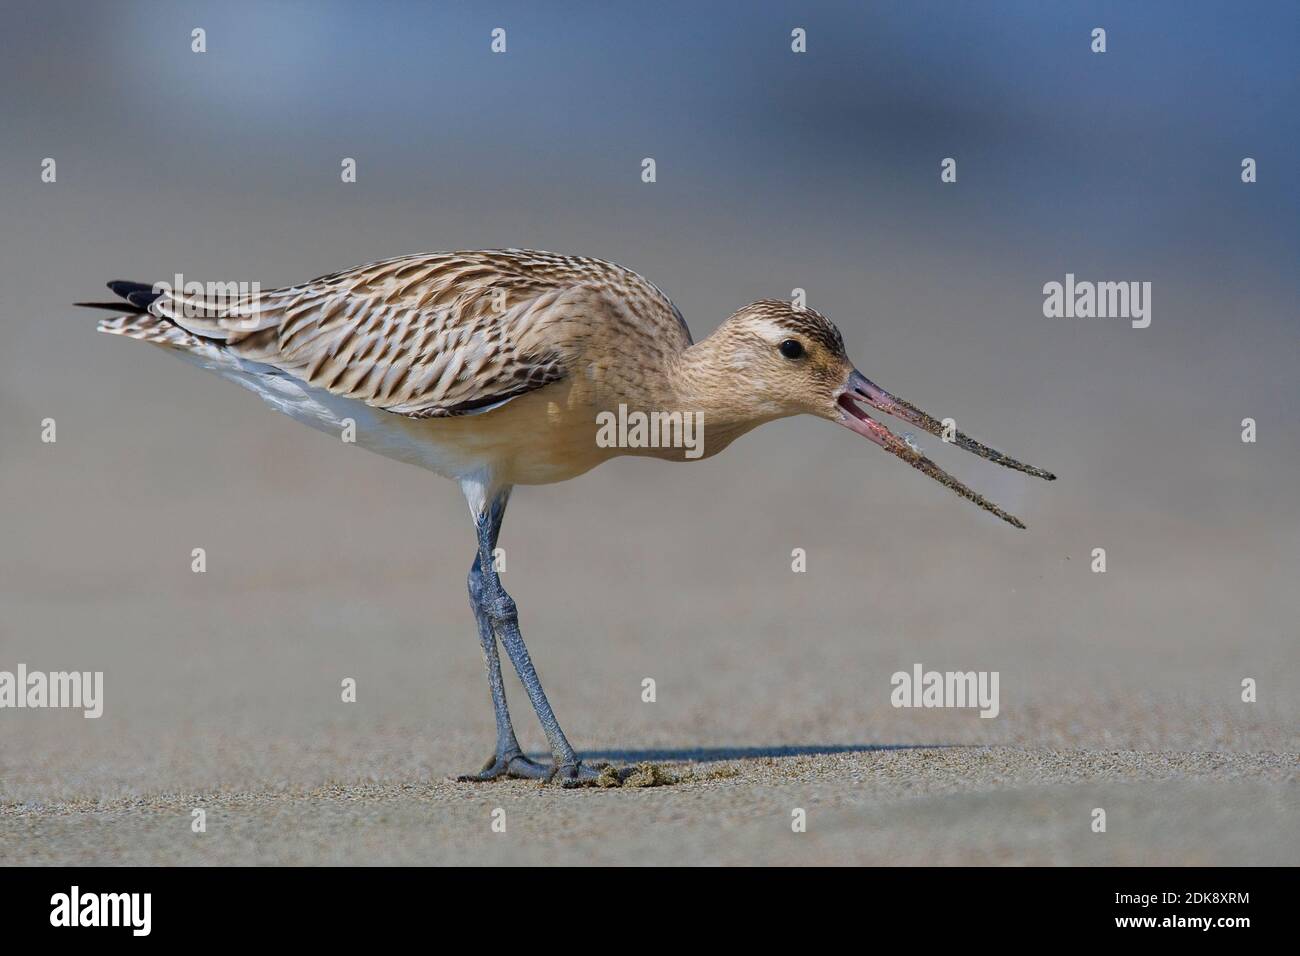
911, 806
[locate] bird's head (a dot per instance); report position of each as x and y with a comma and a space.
793, 362
791, 359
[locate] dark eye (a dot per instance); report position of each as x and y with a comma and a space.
791, 349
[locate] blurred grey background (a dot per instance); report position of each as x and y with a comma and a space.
775, 171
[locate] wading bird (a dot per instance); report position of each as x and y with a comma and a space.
492, 368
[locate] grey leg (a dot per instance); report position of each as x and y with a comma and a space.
509, 759
500, 610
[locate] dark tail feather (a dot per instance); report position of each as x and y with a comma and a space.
121, 308
127, 289
138, 296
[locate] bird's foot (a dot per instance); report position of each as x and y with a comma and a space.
580, 774
512, 765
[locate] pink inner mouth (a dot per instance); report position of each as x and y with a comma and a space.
846, 402
859, 421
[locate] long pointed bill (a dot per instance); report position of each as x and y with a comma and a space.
860, 389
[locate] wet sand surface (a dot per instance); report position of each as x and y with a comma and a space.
772, 694
900, 807
1120, 691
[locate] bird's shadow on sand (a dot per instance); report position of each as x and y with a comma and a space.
709, 754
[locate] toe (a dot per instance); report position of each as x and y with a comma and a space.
483, 776
576, 775
505, 765
521, 768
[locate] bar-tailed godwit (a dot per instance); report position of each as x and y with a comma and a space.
497, 368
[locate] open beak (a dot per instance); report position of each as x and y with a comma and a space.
859, 389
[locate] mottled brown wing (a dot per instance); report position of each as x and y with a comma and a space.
425, 336
434, 335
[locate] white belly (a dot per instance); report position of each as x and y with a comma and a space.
537, 438
394, 436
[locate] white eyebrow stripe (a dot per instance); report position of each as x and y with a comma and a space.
778, 332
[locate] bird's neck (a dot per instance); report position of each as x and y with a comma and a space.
695, 382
